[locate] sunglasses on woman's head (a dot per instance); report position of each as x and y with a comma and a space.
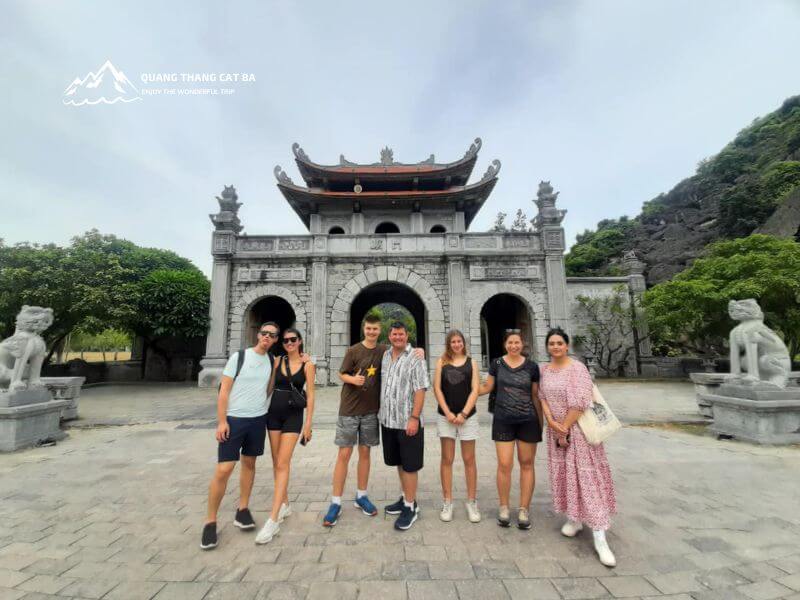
290, 340
272, 334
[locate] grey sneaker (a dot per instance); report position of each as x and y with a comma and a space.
524, 519
503, 517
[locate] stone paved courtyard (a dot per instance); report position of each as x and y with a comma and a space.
115, 511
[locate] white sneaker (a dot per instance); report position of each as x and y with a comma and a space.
603, 551
284, 512
571, 528
447, 512
269, 531
473, 512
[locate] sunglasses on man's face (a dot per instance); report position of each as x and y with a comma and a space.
272, 334
290, 340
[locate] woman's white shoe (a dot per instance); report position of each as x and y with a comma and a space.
473, 512
447, 512
269, 531
571, 528
603, 551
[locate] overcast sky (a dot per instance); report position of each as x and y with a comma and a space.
613, 101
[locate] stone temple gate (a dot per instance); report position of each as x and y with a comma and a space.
388, 232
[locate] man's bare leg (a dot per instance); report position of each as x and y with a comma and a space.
216, 490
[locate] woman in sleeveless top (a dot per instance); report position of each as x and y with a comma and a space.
285, 424
455, 385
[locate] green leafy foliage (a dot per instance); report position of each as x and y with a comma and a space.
594, 249
690, 313
172, 303
91, 285
388, 313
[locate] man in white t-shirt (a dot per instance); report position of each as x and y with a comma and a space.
241, 429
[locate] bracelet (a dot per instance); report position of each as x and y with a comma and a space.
461, 414
414, 417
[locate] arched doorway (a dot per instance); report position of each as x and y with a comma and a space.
269, 308
387, 292
387, 227
499, 313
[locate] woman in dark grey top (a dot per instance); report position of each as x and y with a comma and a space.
513, 379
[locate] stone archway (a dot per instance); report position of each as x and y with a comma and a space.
239, 313
533, 302
340, 315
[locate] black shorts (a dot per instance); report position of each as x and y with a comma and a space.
247, 436
285, 420
527, 431
401, 450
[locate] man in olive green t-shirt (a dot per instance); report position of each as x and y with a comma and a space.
358, 416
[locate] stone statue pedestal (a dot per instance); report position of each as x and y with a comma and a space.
211, 372
705, 384
757, 413
65, 388
28, 417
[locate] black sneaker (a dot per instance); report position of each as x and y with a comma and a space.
244, 520
406, 518
395, 508
209, 540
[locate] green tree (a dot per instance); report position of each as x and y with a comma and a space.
691, 311
91, 285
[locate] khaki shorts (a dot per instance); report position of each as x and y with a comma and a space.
466, 432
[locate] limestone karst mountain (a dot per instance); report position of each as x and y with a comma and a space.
732, 194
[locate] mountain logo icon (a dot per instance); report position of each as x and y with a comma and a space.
108, 85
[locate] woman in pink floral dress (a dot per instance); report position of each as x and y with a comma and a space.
580, 478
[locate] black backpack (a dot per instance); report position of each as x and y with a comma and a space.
239, 364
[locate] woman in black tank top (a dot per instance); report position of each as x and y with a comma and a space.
285, 424
455, 385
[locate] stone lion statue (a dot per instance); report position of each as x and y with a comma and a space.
25, 347
766, 357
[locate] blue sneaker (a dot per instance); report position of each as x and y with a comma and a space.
406, 518
367, 507
334, 510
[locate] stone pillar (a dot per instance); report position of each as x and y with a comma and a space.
317, 329
548, 224
357, 223
216, 342
459, 222
315, 223
223, 247
637, 285
455, 273
417, 224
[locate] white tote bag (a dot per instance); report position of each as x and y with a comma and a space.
598, 422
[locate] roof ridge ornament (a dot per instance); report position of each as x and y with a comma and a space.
474, 148
492, 171
546, 202
227, 219
299, 153
343, 162
387, 156
281, 175
431, 160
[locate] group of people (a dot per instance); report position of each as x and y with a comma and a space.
382, 399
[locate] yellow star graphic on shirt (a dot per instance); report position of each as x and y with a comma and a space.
371, 371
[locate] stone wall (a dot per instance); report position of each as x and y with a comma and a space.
594, 287
245, 293
346, 280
